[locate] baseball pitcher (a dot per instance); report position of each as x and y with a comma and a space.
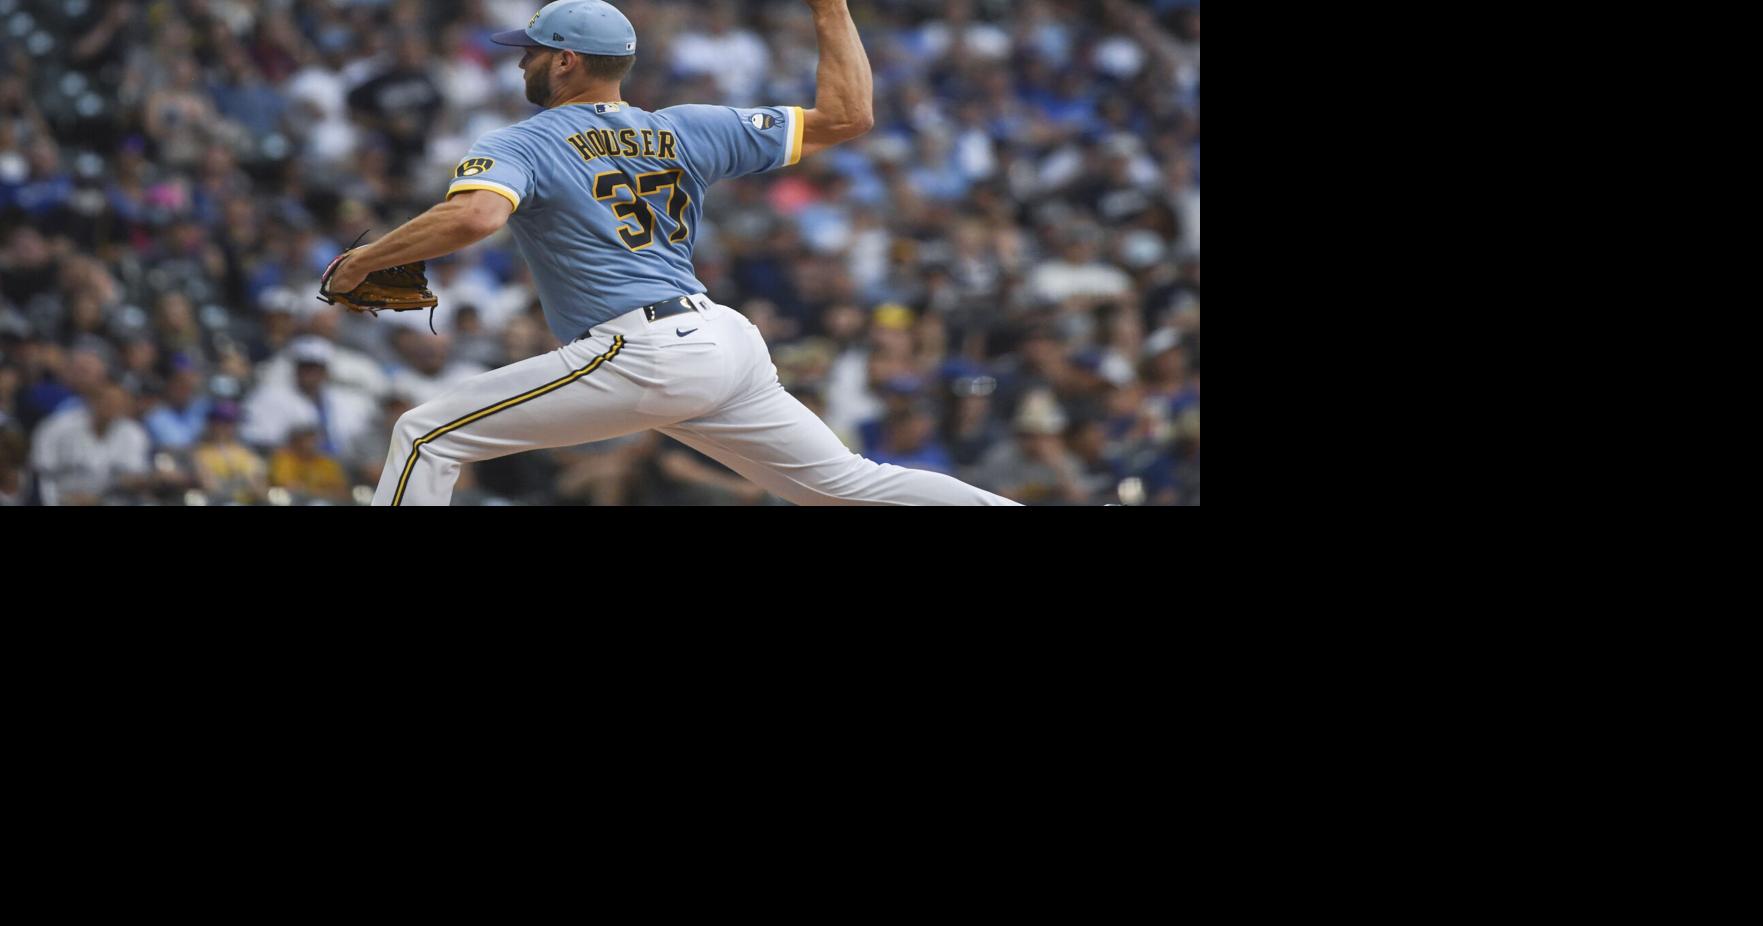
603, 199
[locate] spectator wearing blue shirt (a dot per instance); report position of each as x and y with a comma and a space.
49, 187
908, 438
245, 97
68, 382
178, 422
935, 174
898, 394
1166, 372
1071, 103
970, 429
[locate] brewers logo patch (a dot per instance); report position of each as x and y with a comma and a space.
471, 167
761, 121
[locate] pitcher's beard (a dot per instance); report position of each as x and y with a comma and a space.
538, 88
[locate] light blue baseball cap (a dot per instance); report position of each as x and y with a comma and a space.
592, 27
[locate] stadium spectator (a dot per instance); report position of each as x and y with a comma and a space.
365, 456
398, 102
181, 416
304, 470
908, 438
275, 410
84, 454
1036, 468
428, 369
225, 468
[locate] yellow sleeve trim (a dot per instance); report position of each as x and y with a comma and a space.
513, 199
795, 138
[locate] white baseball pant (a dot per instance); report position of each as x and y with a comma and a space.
704, 378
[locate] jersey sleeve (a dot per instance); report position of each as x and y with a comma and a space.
498, 163
723, 141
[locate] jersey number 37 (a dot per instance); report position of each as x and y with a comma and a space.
615, 186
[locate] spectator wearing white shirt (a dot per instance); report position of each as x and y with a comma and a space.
84, 453
458, 283
735, 58
1078, 273
430, 369
349, 369
273, 410
961, 35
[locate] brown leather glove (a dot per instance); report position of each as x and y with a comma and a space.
397, 289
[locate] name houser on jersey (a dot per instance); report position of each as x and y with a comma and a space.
630, 143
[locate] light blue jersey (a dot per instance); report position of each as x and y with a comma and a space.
607, 196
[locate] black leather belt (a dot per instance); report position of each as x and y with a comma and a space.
666, 308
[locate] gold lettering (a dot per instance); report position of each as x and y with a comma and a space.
581, 146
600, 143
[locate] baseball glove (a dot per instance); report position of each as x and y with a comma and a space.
396, 289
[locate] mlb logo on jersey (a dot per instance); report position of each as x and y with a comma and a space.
761, 121
604, 108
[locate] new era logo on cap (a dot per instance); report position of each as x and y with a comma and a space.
556, 38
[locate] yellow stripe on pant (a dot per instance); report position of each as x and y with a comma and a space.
482, 413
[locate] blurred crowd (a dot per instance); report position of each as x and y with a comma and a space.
1000, 282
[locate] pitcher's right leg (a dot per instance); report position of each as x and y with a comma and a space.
776, 441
